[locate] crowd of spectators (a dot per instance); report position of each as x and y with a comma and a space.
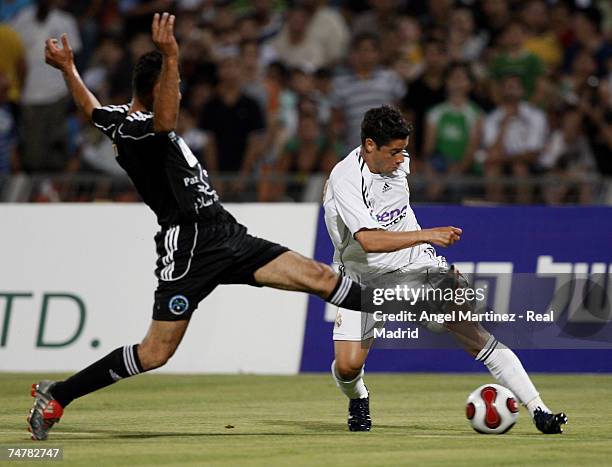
274, 91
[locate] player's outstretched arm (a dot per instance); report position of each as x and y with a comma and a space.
167, 99
63, 59
383, 241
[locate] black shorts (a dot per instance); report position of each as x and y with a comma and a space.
192, 259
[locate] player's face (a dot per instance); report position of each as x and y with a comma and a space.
388, 157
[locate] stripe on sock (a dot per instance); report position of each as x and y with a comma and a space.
488, 352
129, 361
342, 291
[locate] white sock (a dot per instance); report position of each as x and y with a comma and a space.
508, 370
354, 389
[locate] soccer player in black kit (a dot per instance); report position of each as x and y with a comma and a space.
200, 245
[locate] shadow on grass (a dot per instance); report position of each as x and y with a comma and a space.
295, 428
334, 428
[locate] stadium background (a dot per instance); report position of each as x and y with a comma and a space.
302, 73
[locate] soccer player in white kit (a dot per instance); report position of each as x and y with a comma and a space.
375, 232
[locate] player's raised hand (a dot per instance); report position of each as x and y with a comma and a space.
444, 236
163, 34
59, 57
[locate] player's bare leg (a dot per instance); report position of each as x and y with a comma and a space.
160, 343
50, 397
347, 370
292, 271
506, 368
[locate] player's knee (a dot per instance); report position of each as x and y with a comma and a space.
323, 278
348, 369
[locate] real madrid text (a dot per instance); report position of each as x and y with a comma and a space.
460, 315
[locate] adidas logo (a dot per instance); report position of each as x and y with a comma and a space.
386, 187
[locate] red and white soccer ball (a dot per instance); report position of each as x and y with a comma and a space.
492, 409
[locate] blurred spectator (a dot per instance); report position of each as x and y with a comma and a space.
409, 64
8, 129
253, 83
322, 95
514, 136
137, 14
452, 132
425, 92
495, 16
90, 17
227, 36
120, 78
44, 103
380, 18
310, 151
587, 26
9, 9
561, 24
438, 14
12, 61
235, 124
515, 59
254, 74
105, 66
269, 22
541, 39
569, 158
294, 46
582, 79
329, 28
194, 137
96, 152
282, 108
364, 86
597, 120
463, 42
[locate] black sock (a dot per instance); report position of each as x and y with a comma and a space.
120, 363
347, 294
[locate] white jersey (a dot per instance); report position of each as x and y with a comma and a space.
357, 199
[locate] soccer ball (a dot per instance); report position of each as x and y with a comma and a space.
492, 409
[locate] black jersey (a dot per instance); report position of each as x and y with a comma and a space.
166, 174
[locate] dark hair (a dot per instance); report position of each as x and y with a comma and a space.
323, 73
145, 75
362, 37
458, 65
592, 15
383, 125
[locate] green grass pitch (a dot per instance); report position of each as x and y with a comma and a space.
300, 421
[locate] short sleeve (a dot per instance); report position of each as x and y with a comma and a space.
351, 206
137, 126
107, 118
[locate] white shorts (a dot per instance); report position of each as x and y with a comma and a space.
351, 325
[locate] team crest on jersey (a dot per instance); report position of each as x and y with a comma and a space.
338, 319
178, 304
